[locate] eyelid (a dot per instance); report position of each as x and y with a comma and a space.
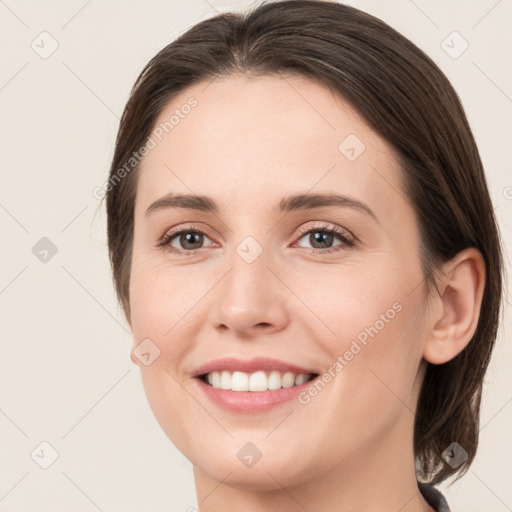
347, 238
323, 225
178, 229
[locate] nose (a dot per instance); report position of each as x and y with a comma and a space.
251, 299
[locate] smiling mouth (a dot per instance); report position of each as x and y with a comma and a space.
256, 381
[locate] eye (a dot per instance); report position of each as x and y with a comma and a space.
189, 240
322, 236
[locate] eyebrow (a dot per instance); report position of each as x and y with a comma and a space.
295, 202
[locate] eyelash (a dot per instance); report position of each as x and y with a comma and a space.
348, 243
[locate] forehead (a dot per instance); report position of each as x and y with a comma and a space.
247, 138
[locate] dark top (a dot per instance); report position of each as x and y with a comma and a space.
433, 497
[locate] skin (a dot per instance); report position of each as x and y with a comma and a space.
248, 143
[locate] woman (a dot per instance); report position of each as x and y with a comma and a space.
304, 246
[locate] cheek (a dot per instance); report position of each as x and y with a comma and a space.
345, 302
162, 302
162, 308
375, 362
371, 323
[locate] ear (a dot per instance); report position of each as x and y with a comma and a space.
456, 310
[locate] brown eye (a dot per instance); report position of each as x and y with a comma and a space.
188, 240
321, 239
184, 241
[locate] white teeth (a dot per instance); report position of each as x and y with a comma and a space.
225, 380
288, 380
214, 379
240, 381
274, 380
301, 378
257, 381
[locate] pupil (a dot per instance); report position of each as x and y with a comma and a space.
321, 237
188, 238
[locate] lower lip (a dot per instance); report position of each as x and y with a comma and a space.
251, 401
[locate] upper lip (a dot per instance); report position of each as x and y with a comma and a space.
248, 366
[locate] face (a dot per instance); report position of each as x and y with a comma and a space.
257, 287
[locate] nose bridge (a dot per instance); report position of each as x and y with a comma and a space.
249, 262
250, 293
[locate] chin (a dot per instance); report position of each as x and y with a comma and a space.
269, 476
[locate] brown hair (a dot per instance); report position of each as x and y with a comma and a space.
406, 99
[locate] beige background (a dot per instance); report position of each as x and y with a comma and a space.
65, 373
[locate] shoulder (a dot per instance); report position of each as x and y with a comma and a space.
434, 497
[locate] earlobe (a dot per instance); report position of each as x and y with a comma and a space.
459, 302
